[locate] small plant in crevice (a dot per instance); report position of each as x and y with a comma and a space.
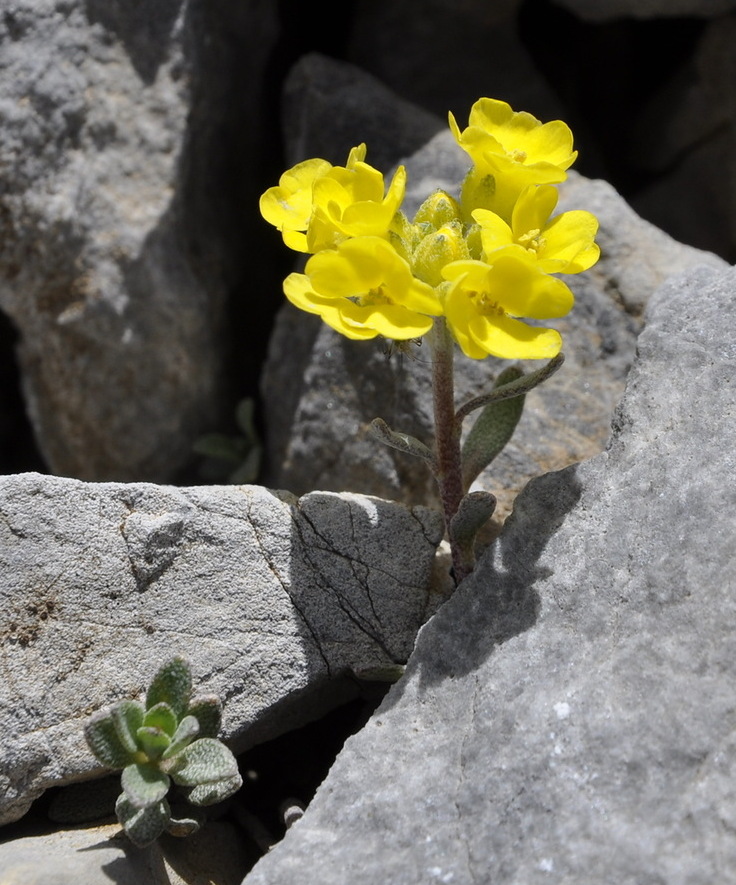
233, 458
170, 738
478, 270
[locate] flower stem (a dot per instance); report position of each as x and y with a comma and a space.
448, 471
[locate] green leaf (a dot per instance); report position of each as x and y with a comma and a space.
222, 447
215, 791
128, 718
153, 741
248, 471
143, 825
161, 716
205, 761
521, 385
144, 785
186, 732
474, 511
493, 428
103, 740
244, 412
172, 685
183, 826
401, 441
208, 712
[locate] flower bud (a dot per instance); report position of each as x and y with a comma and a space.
438, 249
439, 208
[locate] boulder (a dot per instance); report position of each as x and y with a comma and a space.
119, 217
279, 604
568, 715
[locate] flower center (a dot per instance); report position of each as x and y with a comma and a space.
518, 156
533, 240
485, 305
374, 296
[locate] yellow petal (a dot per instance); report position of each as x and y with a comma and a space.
569, 243
505, 337
494, 232
298, 290
533, 209
523, 290
390, 320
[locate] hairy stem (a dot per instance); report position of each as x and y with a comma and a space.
448, 468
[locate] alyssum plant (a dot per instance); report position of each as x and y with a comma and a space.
464, 271
170, 738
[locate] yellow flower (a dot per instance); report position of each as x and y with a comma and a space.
288, 206
317, 205
364, 288
510, 150
484, 301
349, 202
563, 244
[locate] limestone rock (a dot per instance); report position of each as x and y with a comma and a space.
568, 715
115, 224
276, 601
86, 856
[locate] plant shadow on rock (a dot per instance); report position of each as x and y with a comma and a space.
496, 603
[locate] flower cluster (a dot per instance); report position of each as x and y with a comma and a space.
484, 261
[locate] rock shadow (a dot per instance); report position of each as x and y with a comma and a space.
144, 29
499, 600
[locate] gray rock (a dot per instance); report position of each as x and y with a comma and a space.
369, 112
90, 855
568, 715
316, 424
277, 602
611, 10
115, 222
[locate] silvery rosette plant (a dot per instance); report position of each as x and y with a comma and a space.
466, 271
171, 738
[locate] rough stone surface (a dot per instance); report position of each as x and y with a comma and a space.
316, 427
369, 112
568, 716
91, 855
114, 221
275, 601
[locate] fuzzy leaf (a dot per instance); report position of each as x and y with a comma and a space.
186, 732
208, 712
205, 761
144, 785
474, 511
493, 428
244, 418
143, 825
401, 441
248, 471
215, 791
183, 826
172, 685
128, 718
161, 716
222, 447
153, 741
104, 741
508, 390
